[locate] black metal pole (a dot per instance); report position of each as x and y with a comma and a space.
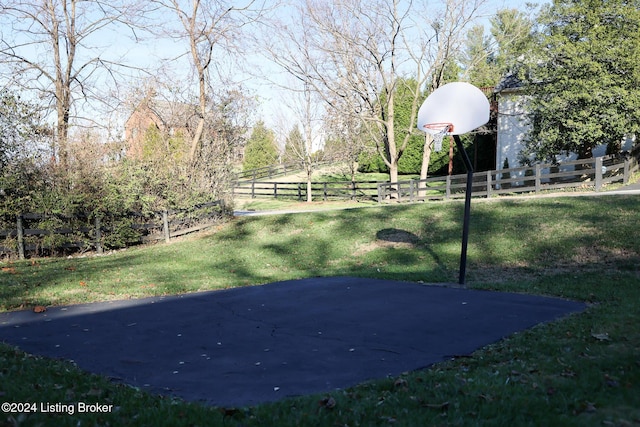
467, 209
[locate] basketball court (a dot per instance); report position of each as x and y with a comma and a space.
257, 344
250, 345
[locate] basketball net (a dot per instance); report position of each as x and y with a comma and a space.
438, 132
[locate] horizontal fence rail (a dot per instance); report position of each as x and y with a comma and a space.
266, 172
39, 233
269, 172
588, 174
580, 174
336, 190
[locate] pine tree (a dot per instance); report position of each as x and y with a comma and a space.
261, 149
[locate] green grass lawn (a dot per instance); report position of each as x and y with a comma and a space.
273, 204
582, 370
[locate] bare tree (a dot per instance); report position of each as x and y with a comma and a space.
213, 30
54, 50
354, 54
164, 142
446, 34
345, 141
303, 142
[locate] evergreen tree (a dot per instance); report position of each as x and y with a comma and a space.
479, 60
585, 81
261, 149
411, 160
512, 31
487, 58
294, 148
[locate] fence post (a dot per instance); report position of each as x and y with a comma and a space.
98, 242
165, 226
353, 186
448, 187
538, 177
20, 233
253, 189
598, 173
299, 191
324, 191
411, 186
379, 192
275, 190
625, 174
489, 184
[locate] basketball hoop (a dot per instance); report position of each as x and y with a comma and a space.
466, 107
438, 131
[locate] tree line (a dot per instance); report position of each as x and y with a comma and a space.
350, 76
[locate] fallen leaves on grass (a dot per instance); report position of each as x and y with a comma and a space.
327, 403
486, 397
230, 412
601, 336
94, 392
585, 407
438, 406
610, 381
10, 270
401, 383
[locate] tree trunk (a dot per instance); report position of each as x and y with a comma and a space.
195, 140
424, 169
202, 97
62, 84
450, 170
62, 130
391, 146
393, 173
309, 173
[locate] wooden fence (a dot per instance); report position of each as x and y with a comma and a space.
269, 172
585, 174
266, 172
38, 233
336, 190
588, 174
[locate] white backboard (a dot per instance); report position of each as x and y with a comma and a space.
459, 103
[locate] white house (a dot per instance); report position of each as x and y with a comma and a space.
513, 126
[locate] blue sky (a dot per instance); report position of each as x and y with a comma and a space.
155, 52
271, 108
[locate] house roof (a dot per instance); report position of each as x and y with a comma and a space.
509, 83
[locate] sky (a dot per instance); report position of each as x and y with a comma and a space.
269, 95
271, 109
161, 52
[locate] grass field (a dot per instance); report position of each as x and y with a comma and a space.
583, 370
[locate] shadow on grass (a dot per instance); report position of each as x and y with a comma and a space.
420, 242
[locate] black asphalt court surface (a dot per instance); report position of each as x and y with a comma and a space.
245, 346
